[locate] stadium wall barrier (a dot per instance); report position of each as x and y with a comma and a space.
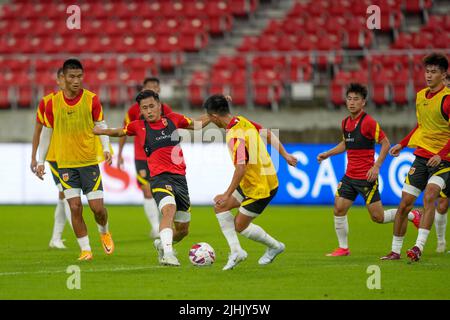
209, 171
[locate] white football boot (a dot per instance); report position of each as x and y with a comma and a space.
57, 244
270, 254
441, 246
234, 258
169, 260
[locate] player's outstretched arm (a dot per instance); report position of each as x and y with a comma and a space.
199, 123
395, 150
373, 172
340, 148
273, 140
111, 132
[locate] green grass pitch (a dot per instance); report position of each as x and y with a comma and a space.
30, 270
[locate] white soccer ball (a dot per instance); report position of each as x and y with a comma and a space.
202, 254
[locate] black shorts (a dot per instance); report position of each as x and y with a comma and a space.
252, 207
174, 185
419, 174
88, 179
54, 169
349, 189
142, 172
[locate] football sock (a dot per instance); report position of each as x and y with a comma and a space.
67, 212
441, 223
103, 229
422, 238
84, 243
389, 215
166, 236
397, 244
341, 227
226, 222
60, 220
152, 213
256, 233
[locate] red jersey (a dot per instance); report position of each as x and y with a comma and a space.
361, 160
421, 152
164, 158
133, 114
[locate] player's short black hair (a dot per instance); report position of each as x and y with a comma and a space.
150, 79
217, 103
146, 94
436, 59
72, 64
358, 89
59, 72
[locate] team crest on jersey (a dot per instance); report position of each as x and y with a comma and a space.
65, 177
169, 187
143, 173
164, 122
411, 171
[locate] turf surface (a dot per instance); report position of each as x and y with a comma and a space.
30, 270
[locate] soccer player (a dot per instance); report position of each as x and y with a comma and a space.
62, 210
140, 159
158, 135
430, 169
70, 117
254, 183
360, 133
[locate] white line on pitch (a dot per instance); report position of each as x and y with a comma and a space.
89, 270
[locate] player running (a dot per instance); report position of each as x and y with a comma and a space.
430, 169
70, 117
140, 158
254, 183
360, 133
62, 210
159, 137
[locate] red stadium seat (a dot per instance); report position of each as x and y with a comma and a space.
267, 94
218, 8
197, 88
298, 10
4, 96
25, 96
274, 28
337, 93
146, 43
167, 26
194, 9
300, 69
239, 94
218, 25
243, 7
380, 88
193, 26
416, 6
249, 44
126, 10
400, 85
114, 96
435, 24
307, 42
193, 42
270, 63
